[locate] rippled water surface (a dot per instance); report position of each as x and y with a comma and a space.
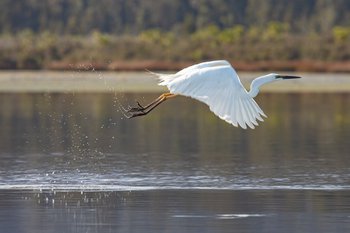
74, 163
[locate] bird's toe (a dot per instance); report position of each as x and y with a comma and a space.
138, 108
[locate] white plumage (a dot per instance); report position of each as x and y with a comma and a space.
216, 83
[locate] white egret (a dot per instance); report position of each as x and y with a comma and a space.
216, 84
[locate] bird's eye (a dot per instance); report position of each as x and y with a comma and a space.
279, 77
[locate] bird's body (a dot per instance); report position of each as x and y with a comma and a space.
216, 84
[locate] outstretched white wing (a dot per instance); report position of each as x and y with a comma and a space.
216, 84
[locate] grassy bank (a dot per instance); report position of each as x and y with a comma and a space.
252, 49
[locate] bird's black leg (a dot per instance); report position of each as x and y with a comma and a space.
145, 111
140, 108
140, 105
141, 111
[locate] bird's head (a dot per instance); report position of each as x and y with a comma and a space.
255, 85
275, 77
282, 77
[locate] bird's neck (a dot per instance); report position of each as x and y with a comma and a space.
258, 82
253, 92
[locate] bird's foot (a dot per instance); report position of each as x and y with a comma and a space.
135, 114
139, 108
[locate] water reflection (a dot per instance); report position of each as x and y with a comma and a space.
65, 122
64, 140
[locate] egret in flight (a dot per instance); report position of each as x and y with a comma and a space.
216, 84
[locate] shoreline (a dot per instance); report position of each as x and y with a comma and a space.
141, 82
155, 65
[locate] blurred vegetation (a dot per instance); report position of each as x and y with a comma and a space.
36, 34
28, 50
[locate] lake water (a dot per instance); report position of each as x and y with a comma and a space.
72, 162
